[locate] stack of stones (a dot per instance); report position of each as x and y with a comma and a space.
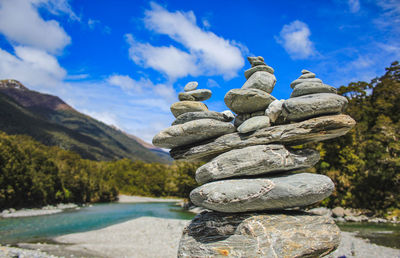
250, 183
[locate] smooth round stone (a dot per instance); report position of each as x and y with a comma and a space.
261, 234
260, 80
190, 86
191, 132
255, 160
304, 71
258, 68
253, 124
182, 107
256, 60
306, 88
196, 95
307, 76
247, 100
272, 193
307, 106
191, 116
274, 110
228, 115
298, 81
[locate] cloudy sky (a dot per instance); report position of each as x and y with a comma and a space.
124, 62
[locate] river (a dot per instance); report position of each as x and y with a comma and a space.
43, 228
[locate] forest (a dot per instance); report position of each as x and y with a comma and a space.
364, 164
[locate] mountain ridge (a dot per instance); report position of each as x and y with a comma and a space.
50, 120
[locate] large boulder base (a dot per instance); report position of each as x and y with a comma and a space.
258, 194
191, 116
304, 107
191, 132
182, 107
247, 100
311, 130
289, 234
255, 160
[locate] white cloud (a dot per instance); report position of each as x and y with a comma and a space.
354, 5
32, 67
169, 60
92, 23
294, 38
21, 24
212, 83
57, 7
109, 118
206, 53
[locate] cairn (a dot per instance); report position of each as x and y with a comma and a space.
250, 183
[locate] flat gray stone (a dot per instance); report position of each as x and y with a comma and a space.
274, 110
256, 60
247, 100
307, 75
254, 123
298, 81
311, 130
258, 68
304, 107
307, 88
288, 234
258, 194
191, 132
191, 116
181, 107
304, 71
196, 95
190, 86
260, 80
255, 160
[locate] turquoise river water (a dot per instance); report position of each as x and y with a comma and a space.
43, 228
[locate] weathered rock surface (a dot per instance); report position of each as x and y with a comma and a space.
291, 234
256, 60
191, 116
253, 124
191, 86
191, 132
300, 108
306, 88
182, 107
255, 160
258, 68
298, 81
274, 110
260, 80
311, 130
307, 75
258, 194
228, 114
196, 95
247, 100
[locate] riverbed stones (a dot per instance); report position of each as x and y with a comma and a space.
261, 80
225, 116
182, 107
195, 95
261, 234
247, 100
259, 194
258, 68
274, 110
256, 60
255, 160
191, 132
311, 130
190, 86
254, 123
304, 107
298, 81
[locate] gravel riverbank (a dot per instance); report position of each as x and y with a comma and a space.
157, 237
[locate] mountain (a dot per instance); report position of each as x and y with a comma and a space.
51, 121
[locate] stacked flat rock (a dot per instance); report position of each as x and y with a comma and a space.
194, 122
251, 177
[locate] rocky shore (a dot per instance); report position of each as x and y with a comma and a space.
46, 210
156, 237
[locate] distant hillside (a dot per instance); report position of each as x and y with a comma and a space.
53, 122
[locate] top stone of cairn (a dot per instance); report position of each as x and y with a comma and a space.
190, 86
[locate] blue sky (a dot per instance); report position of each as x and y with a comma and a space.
124, 62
